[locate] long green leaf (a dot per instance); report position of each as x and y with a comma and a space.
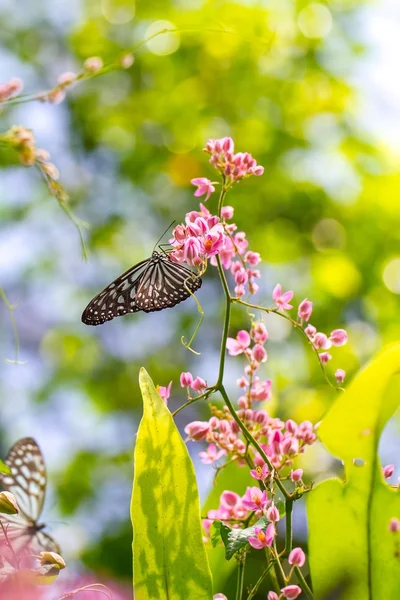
169, 557
351, 547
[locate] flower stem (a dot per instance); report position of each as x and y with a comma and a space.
303, 584
240, 578
260, 580
289, 533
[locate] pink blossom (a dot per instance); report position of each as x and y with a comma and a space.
227, 212
204, 186
214, 240
297, 557
259, 353
67, 78
282, 299
241, 276
242, 382
197, 430
272, 596
260, 473
230, 500
192, 251
338, 337
321, 342
324, 357
255, 499
239, 344
291, 591
262, 539
219, 597
10, 88
199, 385
239, 239
310, 331
340, 375
165, 391
253, 258
186, 379
259, 333
261, 390
305, 310
296, 475
388, 471
211, 455
93, 64
240, 291
272, 514
394, 525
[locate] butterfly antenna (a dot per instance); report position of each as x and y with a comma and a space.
159, 239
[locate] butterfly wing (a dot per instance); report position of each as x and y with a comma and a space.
27, 481
164, 284
117, 299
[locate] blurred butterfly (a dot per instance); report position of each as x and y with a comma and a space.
27, 481
151, 285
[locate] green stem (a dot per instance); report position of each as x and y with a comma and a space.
226, 325
193, 400
278, 568
289, 533
303, 584
240, 578
260, 580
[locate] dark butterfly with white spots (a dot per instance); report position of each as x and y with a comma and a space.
151, 285
27, 481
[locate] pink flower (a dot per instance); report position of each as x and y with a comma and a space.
262, 539
255, 499
186, 379
164, 391
291, 591
197, 430
272, 596
253, 258
242, 382
93, 64
282, 299
321, 341
297, 557
259, 353
239, 344
240, 242
272, 514
388, 471
211, 455
296, 475
394, 525
324, 357
227, 212
241, 276
11, 88
214, 241
259, 472
199, 385
230, 500
259, 333
338, 337
305, 310
192, 251
204, 186
219, 597
310, 331
261, 390
340, 375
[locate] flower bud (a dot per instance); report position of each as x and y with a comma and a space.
127, 60
291, 591
388, 471
272, 514
324, 357
259, 353
227, 212
340, 375
310, 331
67, 78
186, 379
219, 597
296, 475
93, 64
394, 525
338, 337
272, 596
305, 309
8, 504
297, 557
198, 385
197, 430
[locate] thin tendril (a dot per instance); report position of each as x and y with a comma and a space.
11, 307
201, 311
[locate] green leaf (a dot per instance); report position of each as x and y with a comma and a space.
169, 557
215, 533
236, 539
350, 544
4, 468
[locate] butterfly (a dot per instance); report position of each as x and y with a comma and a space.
27, 481
153, 284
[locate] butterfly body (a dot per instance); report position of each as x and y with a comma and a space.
27, 481
149, 286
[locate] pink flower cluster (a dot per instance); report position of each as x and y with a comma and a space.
252, 346
232, 166
281, 441
10, 88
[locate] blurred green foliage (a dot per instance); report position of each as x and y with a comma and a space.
274, 75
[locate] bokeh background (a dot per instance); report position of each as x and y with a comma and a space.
311, 90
